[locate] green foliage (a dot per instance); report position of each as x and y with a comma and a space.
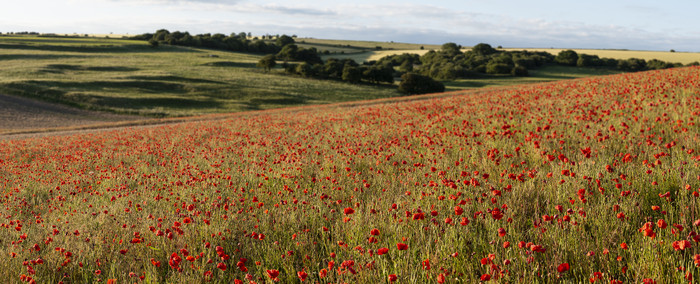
234, 42
496, 68
267, 62
481, 59
292, 52
632, 65
378, 74
567, 57
412, 83
483, 49
406, 66
585, 60
284, 40
451, 49
519, 71
352, 74
306, 70
656, 64
128, 76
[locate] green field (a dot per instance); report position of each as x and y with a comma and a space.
546, 73
126, 76
131, 77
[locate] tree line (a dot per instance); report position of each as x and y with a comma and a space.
571, 58
419, 73
239, 42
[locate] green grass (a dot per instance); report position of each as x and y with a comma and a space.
131, 77
546, 73
127, 76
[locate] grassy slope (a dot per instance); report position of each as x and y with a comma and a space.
130, 77
461, 180
544, 74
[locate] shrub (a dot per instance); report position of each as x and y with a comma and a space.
567, 57
412, 83
519, 71
498, 68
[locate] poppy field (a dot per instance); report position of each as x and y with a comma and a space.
582, 181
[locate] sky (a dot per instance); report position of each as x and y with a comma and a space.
607, 24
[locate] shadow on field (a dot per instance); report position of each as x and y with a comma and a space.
149, 103
57, 68
79, 95
126, 48
285, 100
116, 86
230, 64
37, 56
173, 79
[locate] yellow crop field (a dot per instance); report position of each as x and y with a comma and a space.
673, 57
680, 57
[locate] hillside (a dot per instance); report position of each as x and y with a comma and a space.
130, 77
585, 180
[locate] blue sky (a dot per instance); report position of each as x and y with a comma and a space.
620, 24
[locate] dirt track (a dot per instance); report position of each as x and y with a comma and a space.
19, 114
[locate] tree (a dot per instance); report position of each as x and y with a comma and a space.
267, 62
284, 40
451, 48
161, 34
519, 71
305, 69
483, 49
498, 68
412, 83
632, 65
333, 68
153, 43
352, 74
567, 57
288, 52
585, 60
406, 66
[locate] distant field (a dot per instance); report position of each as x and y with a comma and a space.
368, 44
362, 51
680, 57
673, 57
131, 77
374, 55
543, 74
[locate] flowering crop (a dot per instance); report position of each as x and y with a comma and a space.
586, 180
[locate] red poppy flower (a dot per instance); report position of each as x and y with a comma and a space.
273, 273
401, 246
302, 275
441, 278
564, 267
